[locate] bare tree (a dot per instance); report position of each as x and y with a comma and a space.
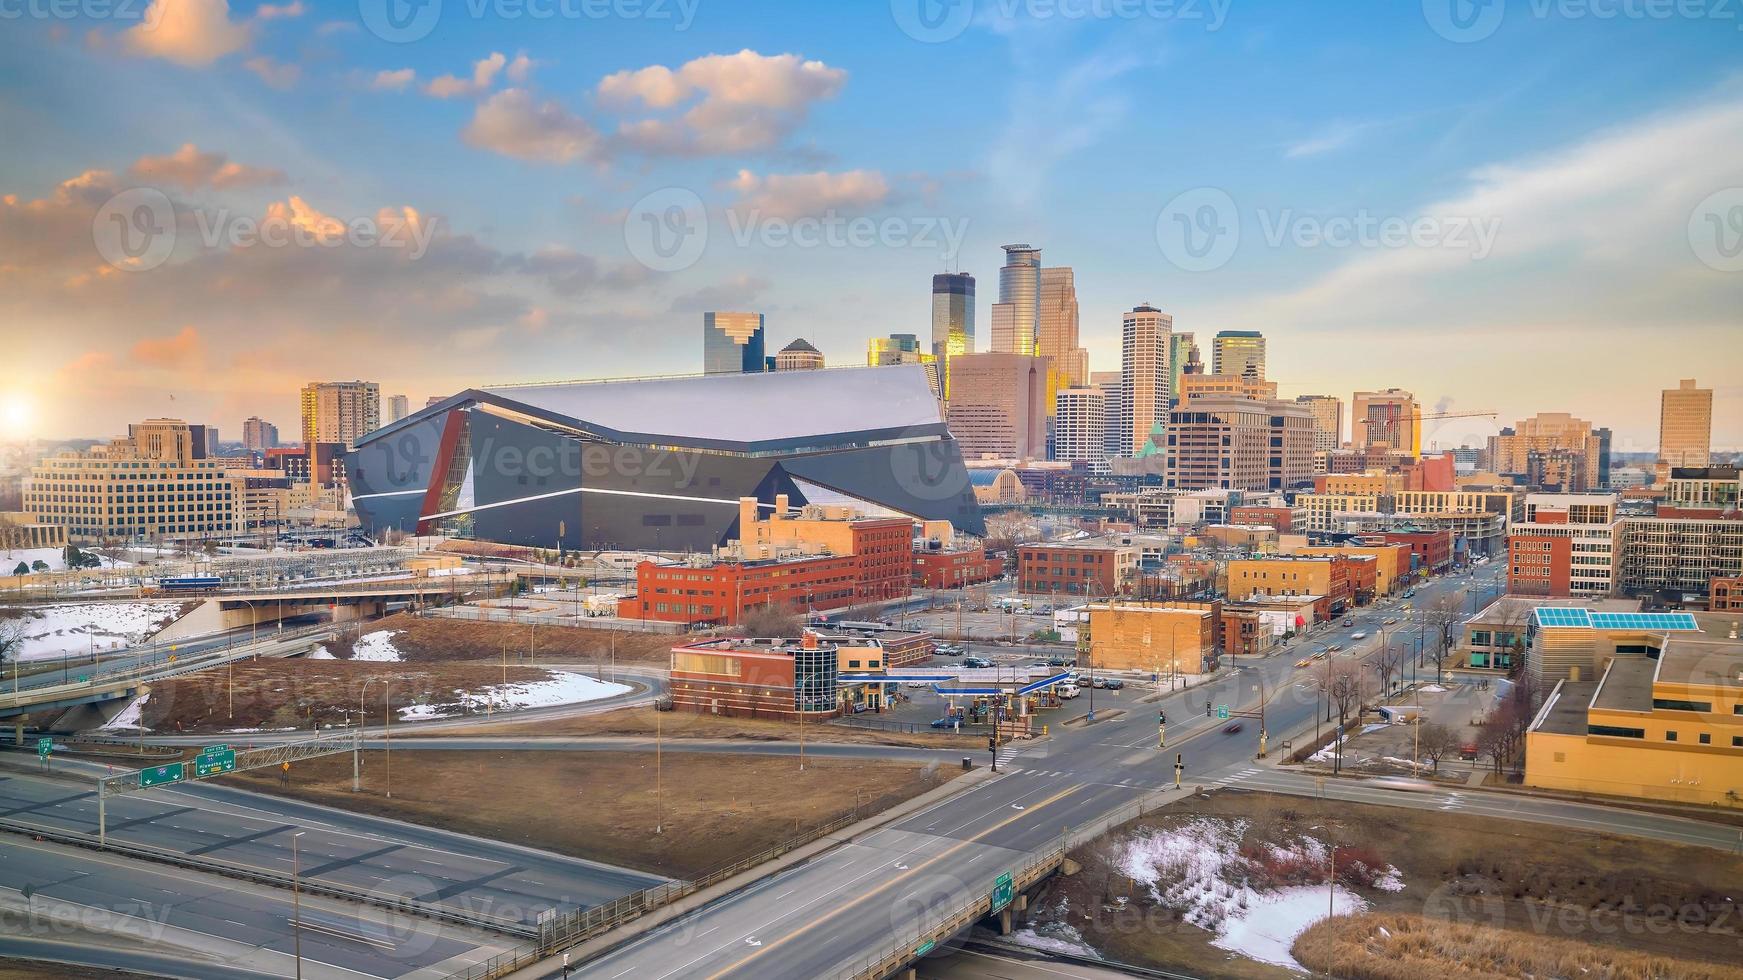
1342, 685
1492, 742
1389, 664
769, 620
11, 638
1435, 741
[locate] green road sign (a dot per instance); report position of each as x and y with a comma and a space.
1003, 892
924, 948
171, 773
209, 763
44, 746
215, 749
1222, 711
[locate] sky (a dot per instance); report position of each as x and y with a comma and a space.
1519, 207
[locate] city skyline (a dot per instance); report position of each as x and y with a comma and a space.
531, 156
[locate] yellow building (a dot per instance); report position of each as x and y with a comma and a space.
1371, 483
1283, 575
155, 484
1669, 728
1391, 562
1198, 386
1155, 638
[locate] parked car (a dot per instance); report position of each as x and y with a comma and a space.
1114, 684
1231, 728
917, 684
944, 723
976, 662
1098, 682
1056, 662
1069, 690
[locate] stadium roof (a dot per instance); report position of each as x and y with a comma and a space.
764, 412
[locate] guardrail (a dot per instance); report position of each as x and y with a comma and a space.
276, 879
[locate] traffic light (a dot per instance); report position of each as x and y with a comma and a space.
1161, 717
1207, 707
992, 743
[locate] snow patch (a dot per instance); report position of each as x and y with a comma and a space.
54, 558
1432, 689
320, 652
559, 687
81, 628
129, 716
377, 647
1054, 938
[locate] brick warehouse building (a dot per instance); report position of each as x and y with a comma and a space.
955, 568
1090, 567
771, 678
719, 593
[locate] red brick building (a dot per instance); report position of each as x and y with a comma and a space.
1362, 572
1726, 595
1432, 551
1539, 565
757, 678
1071, 568
1280, 518
719, 593
883, 548
955, 569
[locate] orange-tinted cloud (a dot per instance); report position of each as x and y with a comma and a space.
185, 349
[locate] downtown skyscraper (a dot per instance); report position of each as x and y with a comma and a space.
1018, 312
1145, 374
1057, 325
733, 343
1238, 352
952, 321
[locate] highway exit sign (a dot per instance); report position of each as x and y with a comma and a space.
215, 760
172, 773
44, 746
1003, 892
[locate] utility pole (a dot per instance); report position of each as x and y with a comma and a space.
297, 904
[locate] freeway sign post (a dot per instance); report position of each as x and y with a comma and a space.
172, 773
214, 760
1222, 711
1003, 892
44, 749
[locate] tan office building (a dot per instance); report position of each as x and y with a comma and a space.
340, 411
1145, 375
1056, 336
1390, 420
149, 486
1225, 386
1685, 427
1238, 444
1549, 435
1162, 639
998, 405
1328, 420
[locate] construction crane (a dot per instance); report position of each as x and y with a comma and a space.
1387, 425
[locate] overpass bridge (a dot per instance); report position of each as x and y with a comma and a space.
224, 610
118, 685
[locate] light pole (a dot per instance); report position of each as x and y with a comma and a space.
387, 723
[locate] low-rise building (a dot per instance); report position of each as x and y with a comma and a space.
1161, 638
1391, 567
1292, 575
1664, 726
955, 567
1566, 545
1574, 643
1083, 567
758, 678
1725, 595
719, 593
155, 484
1679, 556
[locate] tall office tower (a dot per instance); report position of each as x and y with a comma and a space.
1181, 350
258, 435
1328, 420
732, 343
1559, 443
998, 405
1115, 429
340, 411
1602, 477
1019, 305
1389, 420
952, 321
1238, 352
1080, 427
398, 407
1057, 326
904, 348
1144, 374
1685, 427
1239, 444
799, 356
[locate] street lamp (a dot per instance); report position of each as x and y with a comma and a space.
387, 723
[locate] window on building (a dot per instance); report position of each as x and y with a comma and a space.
1670, 736
1669, 704
1706, 739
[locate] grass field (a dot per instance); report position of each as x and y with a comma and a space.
1530, 883
700, 812
642, 722
425, 639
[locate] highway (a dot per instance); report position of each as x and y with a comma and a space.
231, 825
815, 919
100, 909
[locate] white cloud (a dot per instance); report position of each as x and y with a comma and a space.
279, 11
484, 72
738, 102
1053, 115
193, 33
190, 168
513, 123
795, 195
393, 80
276, 74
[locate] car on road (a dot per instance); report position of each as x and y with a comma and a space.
1348, 621
1410, 593
1304, 662
917, 684
1114, 684
1232, 728
1408, 785
1390, 621
1335, 647
1359, 635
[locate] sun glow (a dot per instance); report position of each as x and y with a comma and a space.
16, 414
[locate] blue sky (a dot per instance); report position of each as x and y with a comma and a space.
1559, 169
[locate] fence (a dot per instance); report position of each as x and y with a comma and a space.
490, 614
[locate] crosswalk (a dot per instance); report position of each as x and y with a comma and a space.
1233, 778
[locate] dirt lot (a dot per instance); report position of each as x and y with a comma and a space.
1525, 881
641, 722
276, 694
712, 809
43, 970
426, 639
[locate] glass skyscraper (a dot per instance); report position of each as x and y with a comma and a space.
1017, 313
952, 320
732, 343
